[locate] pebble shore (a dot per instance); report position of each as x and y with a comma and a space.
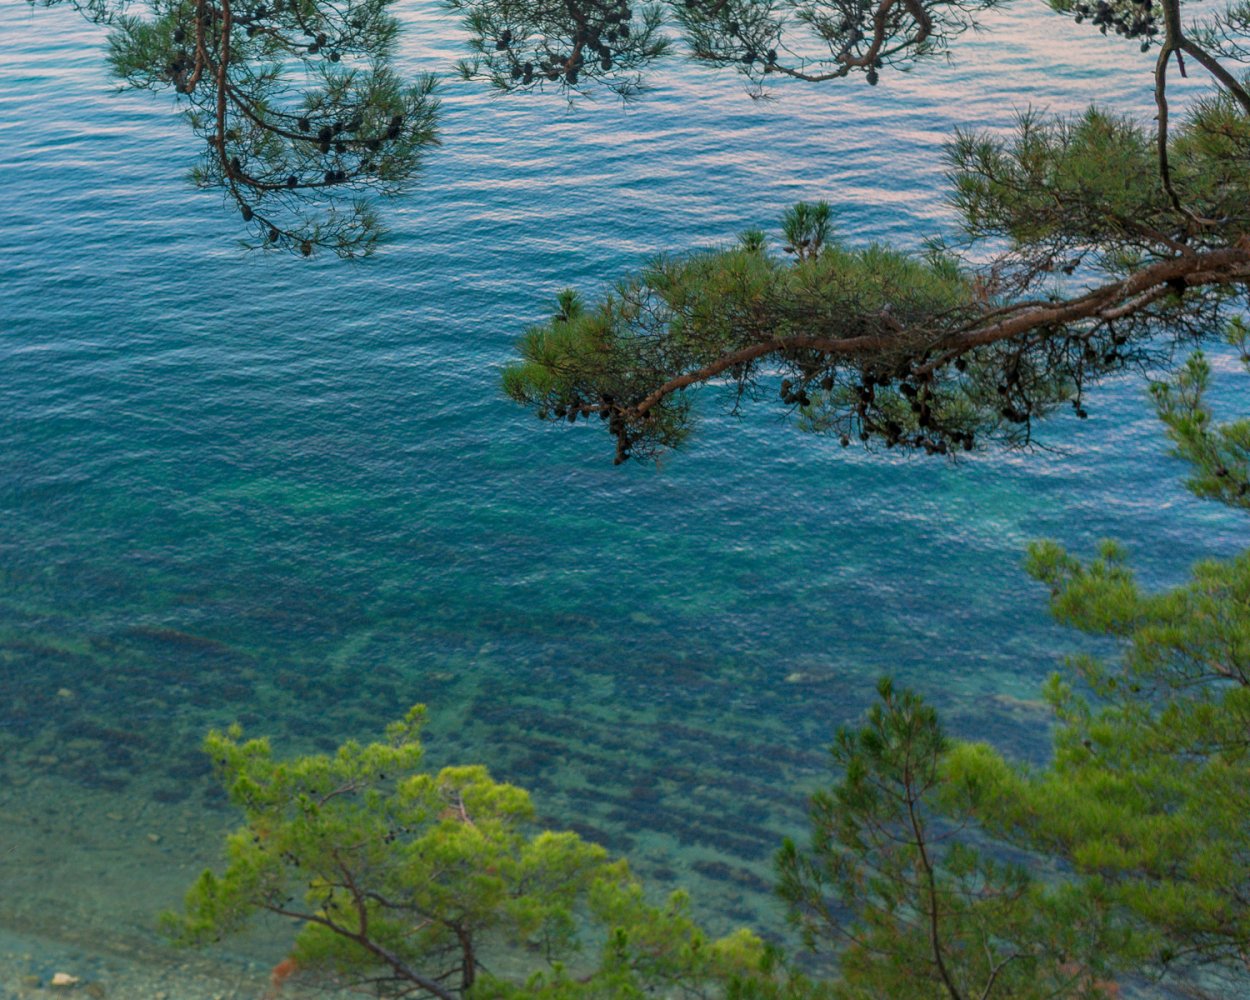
38, 969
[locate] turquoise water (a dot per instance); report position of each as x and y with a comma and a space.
290, 493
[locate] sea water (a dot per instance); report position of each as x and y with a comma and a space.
289, 493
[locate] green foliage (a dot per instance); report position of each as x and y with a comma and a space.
893, 880
1150, 785
1125, 17
1218, 453
297, 113
521, 46
807, 228
931, 867
711, 310
419, 882
1087, 191
1090, 181
1089, 244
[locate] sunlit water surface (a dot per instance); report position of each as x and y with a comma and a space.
291, 494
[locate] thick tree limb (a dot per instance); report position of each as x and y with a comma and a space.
1212, 66
1115, 300
402, 969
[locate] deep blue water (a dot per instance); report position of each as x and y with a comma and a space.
290, 492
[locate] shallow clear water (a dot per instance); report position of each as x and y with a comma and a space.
291, 493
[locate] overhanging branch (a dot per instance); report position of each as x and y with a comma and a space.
1112, 301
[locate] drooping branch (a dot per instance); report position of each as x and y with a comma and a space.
785, 37
529, 45
300, 115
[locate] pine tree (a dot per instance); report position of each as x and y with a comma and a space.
896, 891
1149, 790
426, 884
